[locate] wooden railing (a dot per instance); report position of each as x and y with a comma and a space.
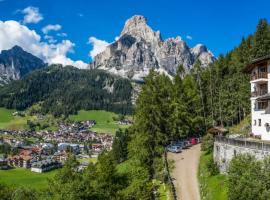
259, 75
257, 145
170, 180
258, 93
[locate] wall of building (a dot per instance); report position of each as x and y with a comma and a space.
263, 131
225, 149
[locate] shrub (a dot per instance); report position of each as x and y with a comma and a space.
208, 143
212, 167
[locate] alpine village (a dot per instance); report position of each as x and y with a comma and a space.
149, 117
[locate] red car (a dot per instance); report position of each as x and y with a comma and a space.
193, 141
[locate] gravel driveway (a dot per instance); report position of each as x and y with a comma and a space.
185, 173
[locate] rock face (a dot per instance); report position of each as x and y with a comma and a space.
15, 63
139, 49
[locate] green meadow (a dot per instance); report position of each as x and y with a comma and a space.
24, 177
104, 119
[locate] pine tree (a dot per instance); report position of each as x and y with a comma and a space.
261, 46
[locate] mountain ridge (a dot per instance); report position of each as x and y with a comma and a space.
15, 63
139, 49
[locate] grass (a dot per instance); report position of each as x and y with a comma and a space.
104, 119
8, 121
24, 177
241, 127
211, 187
93, 160
163, 190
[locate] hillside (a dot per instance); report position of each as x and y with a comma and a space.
65, 90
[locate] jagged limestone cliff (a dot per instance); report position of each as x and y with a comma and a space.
139, 49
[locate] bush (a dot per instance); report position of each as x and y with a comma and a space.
212, 167
248, 178
208, 143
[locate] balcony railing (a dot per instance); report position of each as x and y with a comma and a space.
259, 75
258, 93
267, 110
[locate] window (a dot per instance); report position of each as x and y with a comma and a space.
262, 105
260, 122
255, 122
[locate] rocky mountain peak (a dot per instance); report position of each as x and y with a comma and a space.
201, 52
198, 49
137, 27
15, 63
140, 48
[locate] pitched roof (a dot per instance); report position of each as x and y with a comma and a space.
255, 62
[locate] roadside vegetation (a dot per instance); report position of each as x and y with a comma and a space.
212, 186
248, 178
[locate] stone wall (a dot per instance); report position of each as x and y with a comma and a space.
226, 148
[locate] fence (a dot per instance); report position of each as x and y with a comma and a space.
242, 142
169, 177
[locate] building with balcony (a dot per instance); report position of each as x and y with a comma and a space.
259, 70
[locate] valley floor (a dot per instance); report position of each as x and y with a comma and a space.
185, 173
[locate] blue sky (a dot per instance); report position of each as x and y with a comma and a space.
219, 25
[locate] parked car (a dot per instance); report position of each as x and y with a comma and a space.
180, 144
187, 144
193, 141
174, 148
199, 139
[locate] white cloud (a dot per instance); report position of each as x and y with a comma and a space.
189, 37
61, 34
50, 39
51, 27
13, 33
98, 46
32, 15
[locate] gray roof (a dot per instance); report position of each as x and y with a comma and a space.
264, 97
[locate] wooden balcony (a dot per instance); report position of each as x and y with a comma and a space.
267, 110
259, 75
258, 93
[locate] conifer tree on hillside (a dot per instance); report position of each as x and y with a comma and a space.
261, 46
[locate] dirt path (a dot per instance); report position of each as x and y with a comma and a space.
185, 173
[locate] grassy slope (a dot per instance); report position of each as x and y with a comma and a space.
104, 119
24, 177
211, 187
93, 160
240, 128
7, 120
105, 122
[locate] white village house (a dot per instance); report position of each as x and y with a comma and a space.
259, 69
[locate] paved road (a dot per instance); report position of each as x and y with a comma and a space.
185, 173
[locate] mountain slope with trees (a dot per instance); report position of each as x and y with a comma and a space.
65, 90
225, 88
